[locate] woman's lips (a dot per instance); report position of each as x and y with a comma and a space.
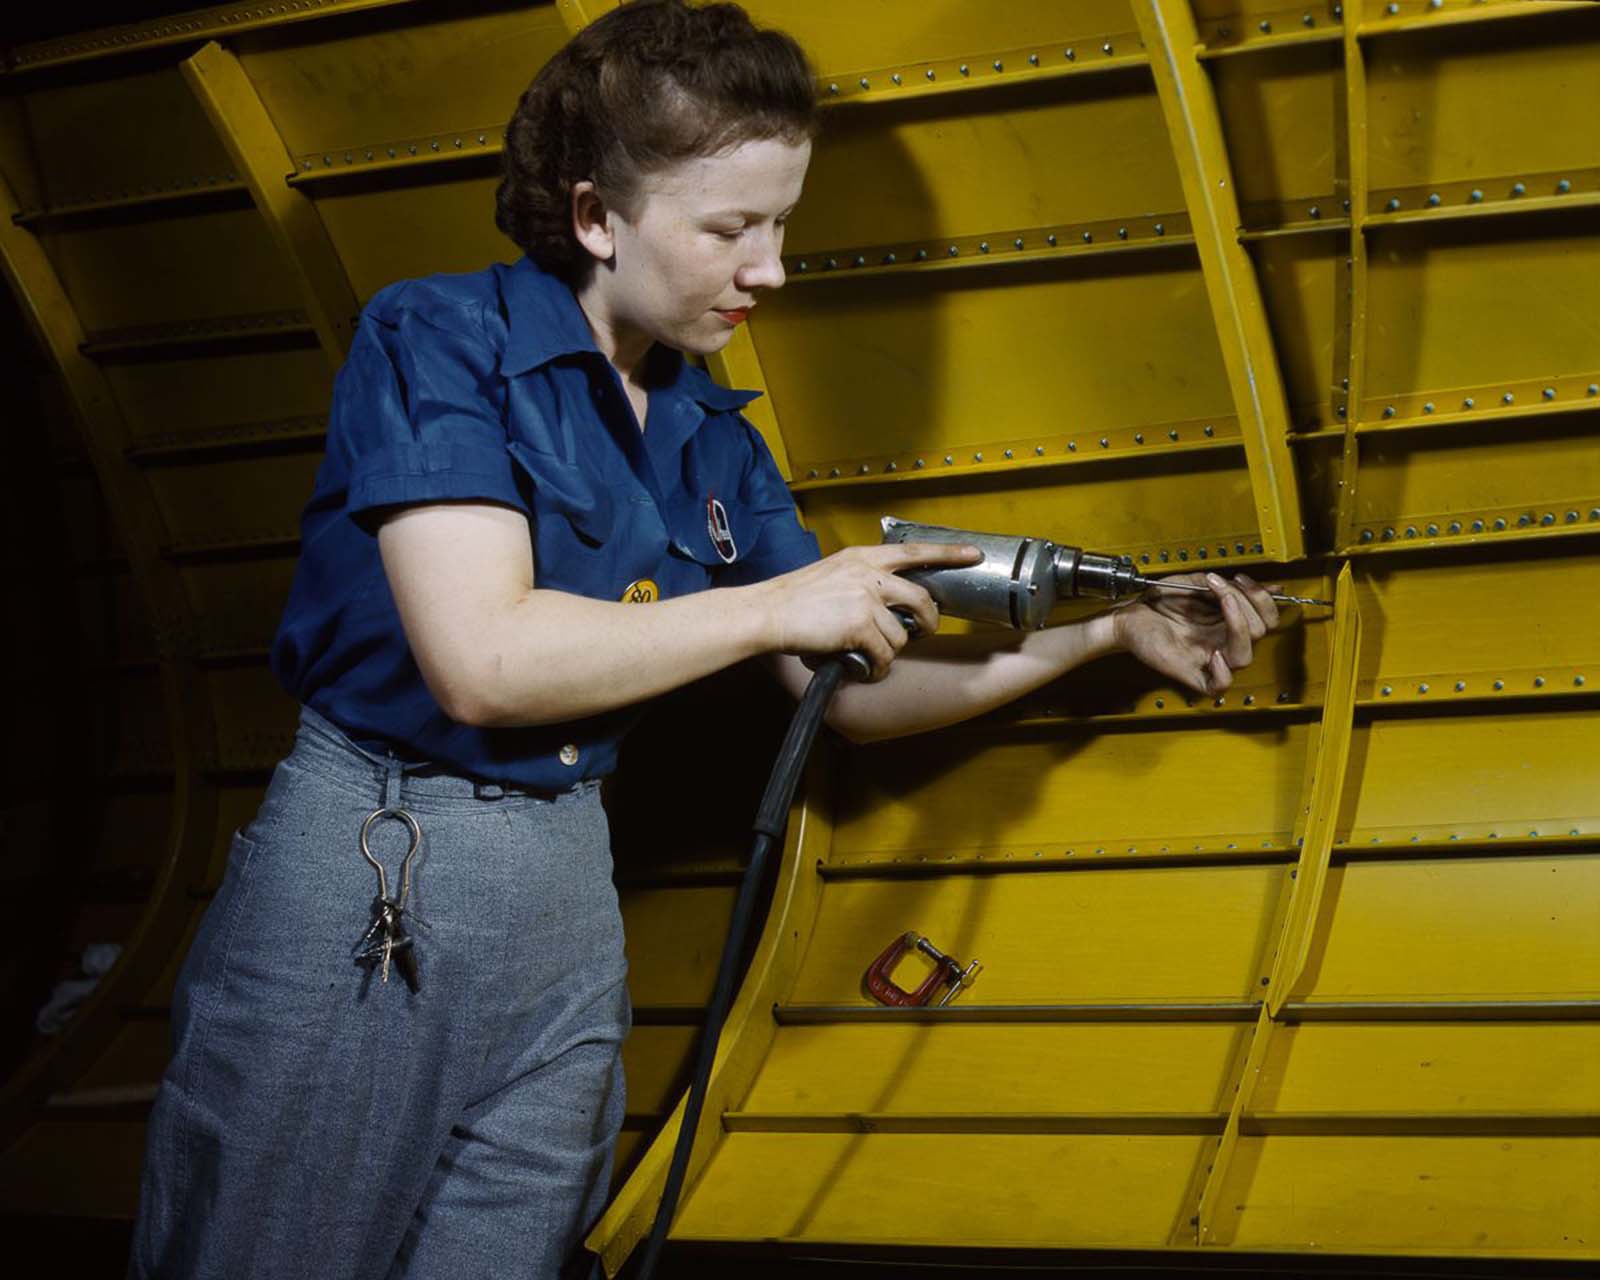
734, 317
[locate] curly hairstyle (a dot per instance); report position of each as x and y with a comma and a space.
647, 85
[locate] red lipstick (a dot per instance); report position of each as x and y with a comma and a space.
735, 316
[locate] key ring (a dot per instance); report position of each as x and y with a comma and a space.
405, 863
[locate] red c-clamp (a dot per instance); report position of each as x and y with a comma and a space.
947, 970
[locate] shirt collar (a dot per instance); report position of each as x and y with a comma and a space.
544, 321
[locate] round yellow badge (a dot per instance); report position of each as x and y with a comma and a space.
644, 591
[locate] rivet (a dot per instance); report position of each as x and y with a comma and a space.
327, 159
1386, 691
1411, 531
1394, 203
1172, 435
434, 144
1070, 54
1249, 700
391, 153
1388, 411
458, 142
1033, 59
1284, 696
983, 246
1508, 398
1263, 26
1106, 48
1499, 684
1388, 535
860, 260
812, 474
1469, 403
1017, 243
1572, 517
1160, 230
1435, 4
954, 251
1182, 554
1160, 703
412, 148
1039, 450
1477, 526
929, 73
1578, 680
1239, 547
1315, 211
889, 259
1461, 686
1594, 513
1428, 407
1210, 431
1392, 8
893, 466
895, 78
1051, 239
1164, 556
977, 457
831, 263
948, 460
1138, 437
1072, 446
1564, 186
1366, 535
1455, 526
1500, 522
1538, 682
1422, 688
1518, 188
1475, 196
1088, 237
922, 255
1594, 388
1548, 519
963, 69
919, 464
1307, 20
833, 474
1549, 393
1104, 443
833, 88
998, 66
481, 139
1433, 531
1008, 453
1524, 520
1217, 703
1340, 411
1122, 233
1433, 200
368, 155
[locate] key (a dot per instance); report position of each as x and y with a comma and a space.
386, 941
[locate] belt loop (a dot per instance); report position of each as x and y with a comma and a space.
487, 790
393, 772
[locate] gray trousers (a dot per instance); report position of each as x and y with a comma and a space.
315, 1121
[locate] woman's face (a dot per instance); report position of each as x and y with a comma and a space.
702, 246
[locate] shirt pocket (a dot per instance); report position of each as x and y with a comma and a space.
715, 541
565, 489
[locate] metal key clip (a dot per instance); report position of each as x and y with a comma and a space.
386, 939
947, 971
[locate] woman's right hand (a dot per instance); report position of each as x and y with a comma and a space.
845, 601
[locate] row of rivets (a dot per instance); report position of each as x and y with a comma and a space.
814, 473
1052, 240
168, 30
1562, 187
1200, 553
1507, 398
1249, 700
1034, 59
399, 150
1498, 525
1539, 682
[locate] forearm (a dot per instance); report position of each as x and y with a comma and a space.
551, 656
944, 680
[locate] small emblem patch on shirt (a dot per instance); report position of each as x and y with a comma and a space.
641, 591
721, 535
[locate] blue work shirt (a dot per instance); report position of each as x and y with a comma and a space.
488, 387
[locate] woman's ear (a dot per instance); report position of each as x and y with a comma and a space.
591, 221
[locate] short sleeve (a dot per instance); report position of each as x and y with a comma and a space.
780, 545
418, 407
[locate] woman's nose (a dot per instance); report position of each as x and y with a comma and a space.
764, 270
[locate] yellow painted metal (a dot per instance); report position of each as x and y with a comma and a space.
1190, 105
1363, 1107
258, 153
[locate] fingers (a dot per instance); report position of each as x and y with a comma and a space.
1260, 598
1243, 623
896, 556
902, 594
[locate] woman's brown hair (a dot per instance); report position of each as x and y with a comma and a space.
648, 84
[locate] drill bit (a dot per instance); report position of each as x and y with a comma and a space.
1191, 586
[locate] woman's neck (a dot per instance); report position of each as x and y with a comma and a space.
625, 346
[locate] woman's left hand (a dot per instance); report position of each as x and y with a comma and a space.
1198, 640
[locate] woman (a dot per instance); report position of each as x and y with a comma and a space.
533, 516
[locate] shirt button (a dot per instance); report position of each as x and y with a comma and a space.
569, 754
